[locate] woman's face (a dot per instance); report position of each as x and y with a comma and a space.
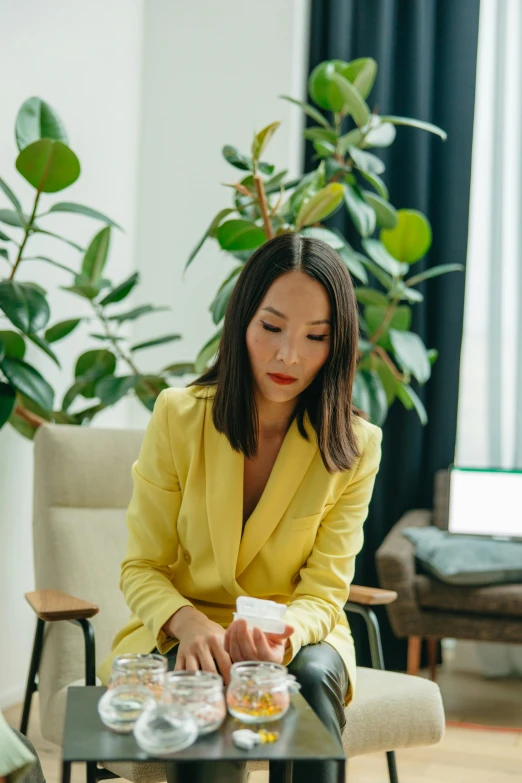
288, 339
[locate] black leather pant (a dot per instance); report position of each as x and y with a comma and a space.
324, 682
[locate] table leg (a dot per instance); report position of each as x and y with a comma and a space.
289, 771
66, 772
341, 771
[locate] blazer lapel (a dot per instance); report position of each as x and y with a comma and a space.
291, 465
224, 495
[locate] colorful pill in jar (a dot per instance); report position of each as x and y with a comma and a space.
201, 693
136, 669
259, 692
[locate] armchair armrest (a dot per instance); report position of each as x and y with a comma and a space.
371, 596
52, 605
395, 560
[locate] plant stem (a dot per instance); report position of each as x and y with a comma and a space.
386, 359
28, 229
29, 416
263, 206
117, 349
388, 315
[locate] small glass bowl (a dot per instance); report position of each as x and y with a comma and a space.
136, 669
201, 693
120, 706
164, 728
259, 692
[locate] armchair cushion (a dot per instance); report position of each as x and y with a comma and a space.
466, 560
498, 600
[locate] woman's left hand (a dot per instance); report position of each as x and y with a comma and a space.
245, 644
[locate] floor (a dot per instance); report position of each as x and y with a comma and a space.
464, 756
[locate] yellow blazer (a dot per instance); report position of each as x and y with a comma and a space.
186, 546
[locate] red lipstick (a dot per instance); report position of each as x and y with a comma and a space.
282, 380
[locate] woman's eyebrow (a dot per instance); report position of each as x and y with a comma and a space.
285, 317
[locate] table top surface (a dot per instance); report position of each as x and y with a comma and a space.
302, 736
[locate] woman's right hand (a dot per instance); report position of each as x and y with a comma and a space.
201, 642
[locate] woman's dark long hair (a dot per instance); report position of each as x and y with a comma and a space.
328, 399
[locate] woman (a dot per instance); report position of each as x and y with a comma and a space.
256, 481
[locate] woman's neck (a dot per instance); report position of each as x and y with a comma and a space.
274, 417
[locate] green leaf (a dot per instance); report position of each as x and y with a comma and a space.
25, 307
4, 237
84, 289
353, 103
410, 400
49, 166
382, 134
111, 337
262, 139
37, 120
2, 350
4, 253
112, 388
385, 213
374, 317
240, 235
361, 213
324, 88
91, 366
353, 138
380, 255
354, 261
208, 352
121, 291
273, 185
427, 126
325, 235
44, 345
435, 271
28, 380
410, 240
11, 196
61, 330
70, 242
131, 315
13, 344
411, 354
211, 231
309, 110
168, 338
362, 73
433, 355
388, 379
310, 184
321, 134
71, 393
378, 273
178, 370
401, 291
7, 402
377, 183
321, 205
236, 158
369, 296
219, 305
365, 161
11, 218
369, 395
95, 256
80, 209
143, 390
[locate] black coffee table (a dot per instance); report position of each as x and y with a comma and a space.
302, 738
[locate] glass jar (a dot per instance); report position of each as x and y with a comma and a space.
164, 728
120, 706
203, 696
136, 669
259, 691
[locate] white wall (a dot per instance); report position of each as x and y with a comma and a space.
85, 60
212, 73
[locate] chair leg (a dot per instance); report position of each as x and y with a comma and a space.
432, 658
32, 686
90, 772
414, 654
374, 636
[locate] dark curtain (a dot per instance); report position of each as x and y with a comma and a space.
426, 52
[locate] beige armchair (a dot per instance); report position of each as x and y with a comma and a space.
429, 609
82, 489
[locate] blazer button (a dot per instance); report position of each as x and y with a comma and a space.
187, 558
